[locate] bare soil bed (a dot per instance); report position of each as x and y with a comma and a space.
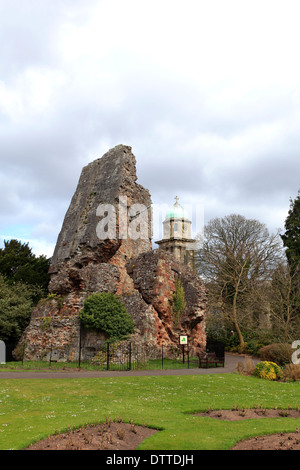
108, 436
281, 441
127, 436
245, 413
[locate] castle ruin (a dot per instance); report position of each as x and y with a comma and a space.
105, 245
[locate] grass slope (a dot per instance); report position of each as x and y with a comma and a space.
33, 409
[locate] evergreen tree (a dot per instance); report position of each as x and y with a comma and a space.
15, 308
291, 241
104, 312
19, 264
291, 237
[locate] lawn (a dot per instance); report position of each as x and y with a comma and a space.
33, 409
154, 364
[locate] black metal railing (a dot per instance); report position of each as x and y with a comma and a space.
131, 356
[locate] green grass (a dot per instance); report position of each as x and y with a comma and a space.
45, 365
155, 364
33, 409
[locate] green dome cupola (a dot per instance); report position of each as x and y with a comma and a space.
176, 211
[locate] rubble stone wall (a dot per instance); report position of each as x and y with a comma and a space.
82, 264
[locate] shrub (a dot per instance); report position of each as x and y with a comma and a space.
281, 353
255, 339
178, 302
292, 372
267, 370
246, 367
104, 312
15, 308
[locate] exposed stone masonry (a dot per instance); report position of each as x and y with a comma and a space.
83, 264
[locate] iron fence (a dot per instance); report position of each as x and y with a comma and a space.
127, 355
131, 356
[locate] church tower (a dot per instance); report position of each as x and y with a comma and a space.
177, 236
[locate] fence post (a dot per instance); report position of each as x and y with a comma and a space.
23, 351
79, 352
129, 359
50, 356
107, 356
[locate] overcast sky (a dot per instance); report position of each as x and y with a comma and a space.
207, 94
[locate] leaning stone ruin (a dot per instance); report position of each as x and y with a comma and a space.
84, 263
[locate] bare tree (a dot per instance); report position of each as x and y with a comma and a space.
284, 301
238, 254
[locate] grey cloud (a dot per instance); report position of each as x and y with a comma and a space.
29, 31
198, 142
